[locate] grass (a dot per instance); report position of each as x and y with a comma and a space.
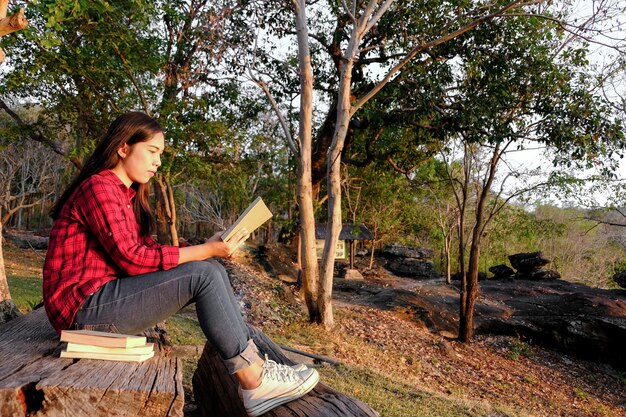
23, 269
520, 349
25, 292
184, 330
383, 380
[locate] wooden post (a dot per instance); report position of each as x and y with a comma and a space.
11, 23
352, 252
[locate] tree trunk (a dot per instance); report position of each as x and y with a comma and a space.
216, 390
8, 310
308, 255
448, 246
334, 223
165, 211
461, 232
466, 320
12, 23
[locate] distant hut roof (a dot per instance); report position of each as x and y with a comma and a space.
348, 232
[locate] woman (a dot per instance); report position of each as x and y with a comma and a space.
103, 271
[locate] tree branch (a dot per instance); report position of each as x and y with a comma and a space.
133, 80
37, 136
13, 23
281, 118
428, 45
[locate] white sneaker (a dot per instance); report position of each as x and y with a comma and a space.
299, 367
279, 385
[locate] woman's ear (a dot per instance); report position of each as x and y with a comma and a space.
123, 151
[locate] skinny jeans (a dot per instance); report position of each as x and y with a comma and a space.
132, 304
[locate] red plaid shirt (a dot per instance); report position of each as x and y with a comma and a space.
96, 240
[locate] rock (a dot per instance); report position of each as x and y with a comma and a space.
287, 278
538, 274
501, 271
352, 274
362, 252
340, 268
457, 277
528, 261
412, 267
573, 318
398, 251
27, 241
620, 279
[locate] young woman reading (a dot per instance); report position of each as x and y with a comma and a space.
103, 271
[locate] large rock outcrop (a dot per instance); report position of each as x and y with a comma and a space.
531, 266
409, 261
588, 322
571, 318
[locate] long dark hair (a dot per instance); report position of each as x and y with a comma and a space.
129, 128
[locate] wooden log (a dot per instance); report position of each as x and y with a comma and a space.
215, 390
35, 382
13, 23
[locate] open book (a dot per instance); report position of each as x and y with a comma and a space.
252, 218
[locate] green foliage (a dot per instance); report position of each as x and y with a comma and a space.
382, 200
520, 349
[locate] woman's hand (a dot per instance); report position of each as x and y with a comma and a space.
221, 249
214, 247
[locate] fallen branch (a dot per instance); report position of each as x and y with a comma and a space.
310, 355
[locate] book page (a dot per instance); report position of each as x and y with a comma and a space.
252, 218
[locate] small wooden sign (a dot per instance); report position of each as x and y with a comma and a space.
340, 249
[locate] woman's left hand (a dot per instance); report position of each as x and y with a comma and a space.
222, 249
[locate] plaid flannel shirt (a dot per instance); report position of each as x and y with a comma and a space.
96, 240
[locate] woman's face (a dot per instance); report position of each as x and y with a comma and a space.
140, 161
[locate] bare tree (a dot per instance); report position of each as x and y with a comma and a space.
27, 176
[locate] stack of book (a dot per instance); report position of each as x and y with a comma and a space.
107, 346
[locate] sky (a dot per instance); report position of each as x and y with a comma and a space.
610, 31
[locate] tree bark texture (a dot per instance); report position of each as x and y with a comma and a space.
310, 276
5, 294
13, 23
334, 184
36, 382
216, 393
8, 309
165, 211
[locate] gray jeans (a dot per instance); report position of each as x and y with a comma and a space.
132, 304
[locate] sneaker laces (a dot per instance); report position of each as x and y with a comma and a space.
278, 372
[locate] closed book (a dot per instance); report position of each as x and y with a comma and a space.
252, 218
107, 356
139, 350
103, 339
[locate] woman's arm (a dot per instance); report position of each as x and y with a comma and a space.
215, 247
